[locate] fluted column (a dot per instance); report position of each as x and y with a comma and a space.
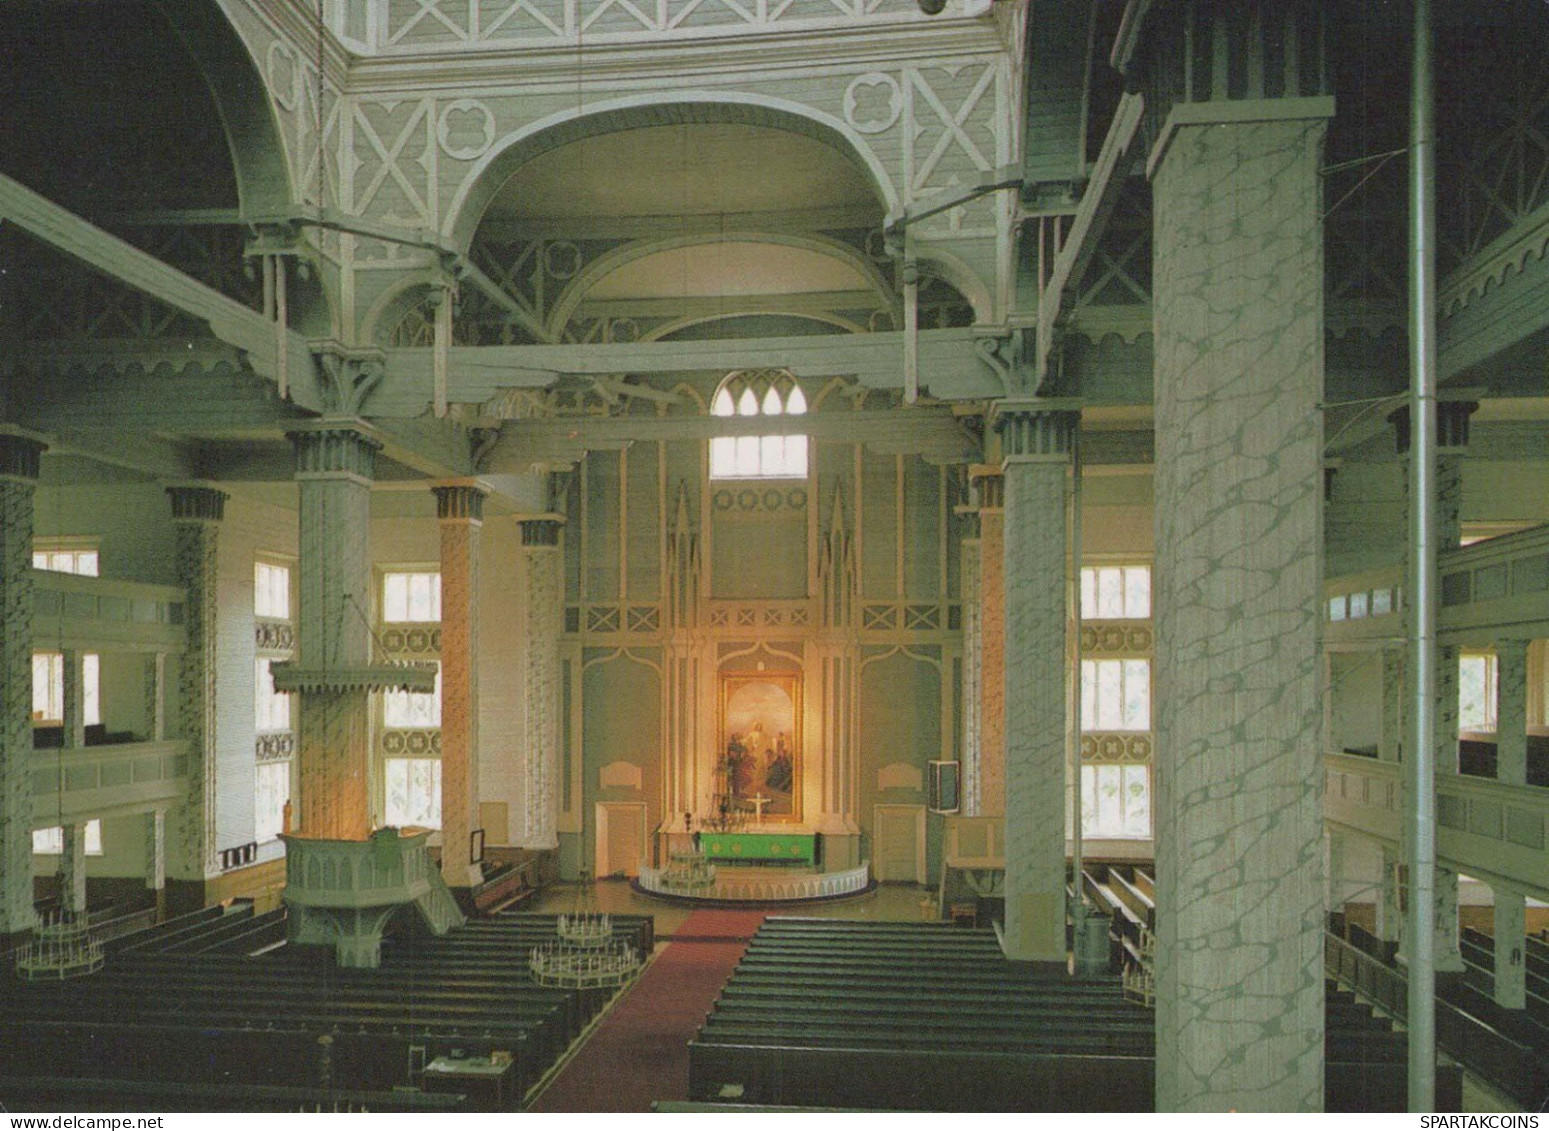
1511, 711
335, 464
197, 512
1036, 444
1238, 300
19, 462
988, 486
544, 595
460, 509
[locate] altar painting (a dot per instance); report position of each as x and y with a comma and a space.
760, 754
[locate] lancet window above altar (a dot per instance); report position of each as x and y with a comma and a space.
752, 394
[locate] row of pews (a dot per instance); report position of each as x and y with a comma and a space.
213, 1011
927, 1016
1508, 1048
1478, 949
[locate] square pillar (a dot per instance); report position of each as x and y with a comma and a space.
1389, 915
72, 870
197, 512
20, 455
544, 594
973, 669
1448, 953
1391, 741
1238, 301
1511, 685
988, 487
1510, 948
1036, 443
460, 510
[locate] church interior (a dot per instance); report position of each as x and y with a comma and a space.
883, 539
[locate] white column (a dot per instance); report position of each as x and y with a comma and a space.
1389, 917
1449, 957
72, 680
1036, 443
1510, 948
1392, 739
460, 509
19, 459
1511, 712
156, 850
72, 869
156, 696
1447, 659
1238, 297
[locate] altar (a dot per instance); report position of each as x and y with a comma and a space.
776, 847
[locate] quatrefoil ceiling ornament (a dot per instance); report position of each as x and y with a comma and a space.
873, 102
465, 129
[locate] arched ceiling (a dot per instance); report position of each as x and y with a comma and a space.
728, 269
635, 180
664, 225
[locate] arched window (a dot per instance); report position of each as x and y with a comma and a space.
759, 393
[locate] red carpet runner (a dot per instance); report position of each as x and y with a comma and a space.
640, 1051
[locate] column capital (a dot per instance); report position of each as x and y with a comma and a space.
541, 529
1453, 410
21, 453
347, 375
197, 502
1036, 427
335, 448
459, 500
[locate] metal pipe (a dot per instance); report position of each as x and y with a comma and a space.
1420, 778
1073, 709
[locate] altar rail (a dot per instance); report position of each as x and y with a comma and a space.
777, 888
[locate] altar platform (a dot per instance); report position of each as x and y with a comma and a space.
741, 886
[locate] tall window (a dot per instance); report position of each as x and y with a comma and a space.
271, 590
1115, 694
82, 560
409, 597
48, 688
1116, 801
271, 792
51, 842
413, 708
1116, 592
271, 708
414, 792
759, 393
1476, 692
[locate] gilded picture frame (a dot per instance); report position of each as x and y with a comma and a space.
760, 744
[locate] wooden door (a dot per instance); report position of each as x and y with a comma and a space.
898, 843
